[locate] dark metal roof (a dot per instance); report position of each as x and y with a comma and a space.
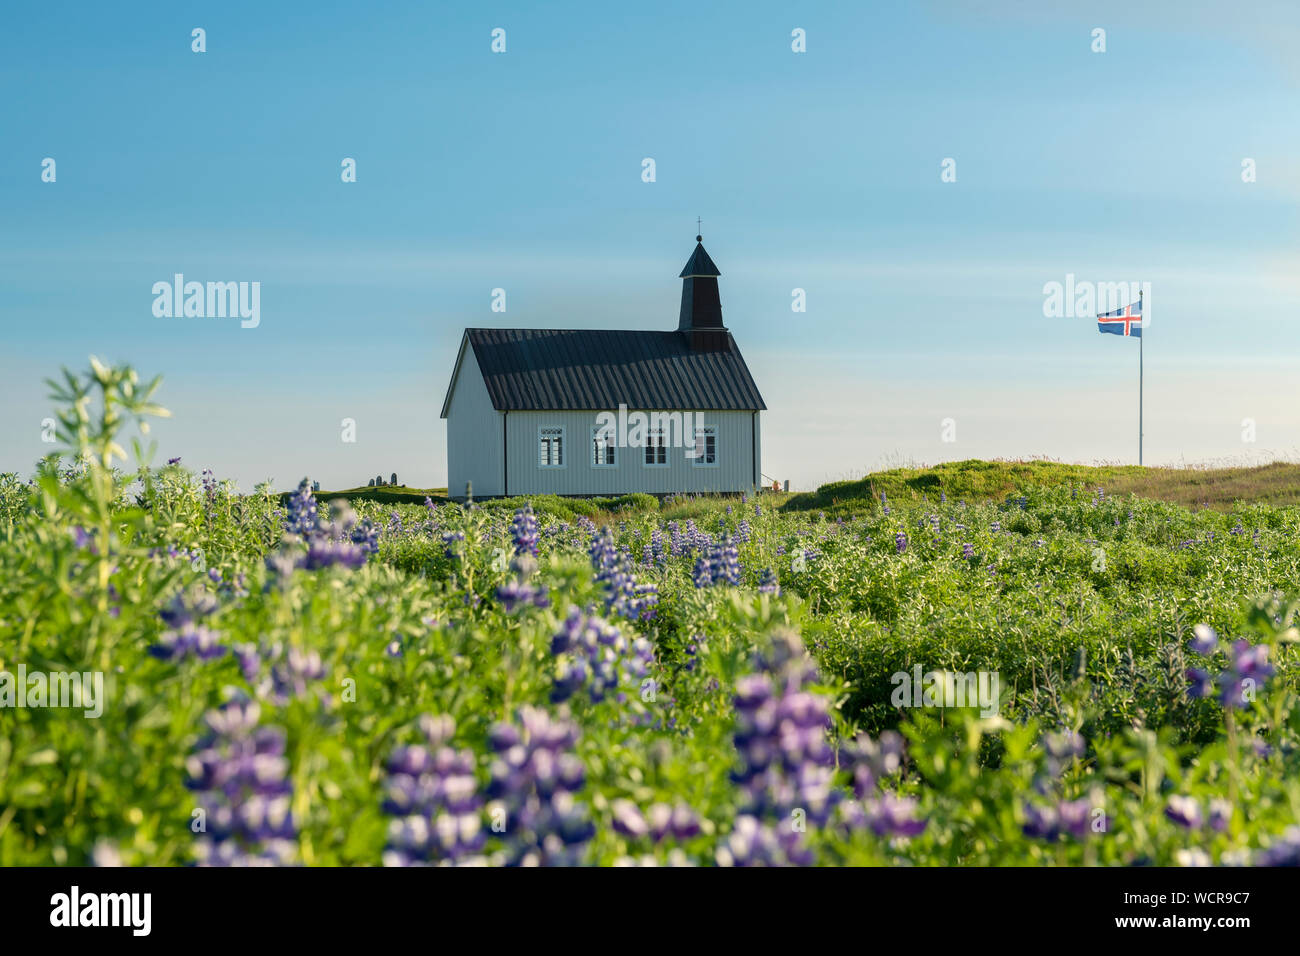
699, 264
596, 370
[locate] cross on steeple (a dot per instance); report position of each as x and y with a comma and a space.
699, 229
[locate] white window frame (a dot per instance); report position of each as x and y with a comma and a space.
700, 461
662, 446
611, 447
544, 433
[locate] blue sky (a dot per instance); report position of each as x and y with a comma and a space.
522, 171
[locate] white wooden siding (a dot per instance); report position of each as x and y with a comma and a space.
739, 457
474, 444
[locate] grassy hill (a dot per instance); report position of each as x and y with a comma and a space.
390, 494
974, 480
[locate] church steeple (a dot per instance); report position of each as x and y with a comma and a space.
701, 313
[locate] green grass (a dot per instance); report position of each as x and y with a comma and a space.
391, 494
975, 480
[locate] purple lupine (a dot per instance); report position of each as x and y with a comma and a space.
1074, 816
187, 635
900, 541
523, 530
301, 516
726, 562
598, 656
968, 550
785, 759
323, 552
1220, 815
1184, 811
189, 607
434, 800
1041, 823
755, 842
624, 596
1061, 748
658, 823
535, 778
1282, 852
517, 593
186, 641
768, 583
1067, 818
241, 775
450, 540
1247, 671
1204, 640
892, 816
702, 575
1201, 684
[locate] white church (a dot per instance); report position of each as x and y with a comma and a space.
592, 412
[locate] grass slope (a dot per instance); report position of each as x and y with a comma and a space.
974, 480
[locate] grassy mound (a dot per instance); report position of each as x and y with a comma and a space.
974, 480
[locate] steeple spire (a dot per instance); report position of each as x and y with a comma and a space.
701, 304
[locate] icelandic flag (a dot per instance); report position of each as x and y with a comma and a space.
1125, 321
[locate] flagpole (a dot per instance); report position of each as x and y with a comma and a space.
1141, 339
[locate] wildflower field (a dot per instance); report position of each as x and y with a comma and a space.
710, 682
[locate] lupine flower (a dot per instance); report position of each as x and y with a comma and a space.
1184, 811
1202, 684
535, 777
1247, 671
725, 562
1204, 640
1283, 852
968, 550
768, 584
434, 800
1074, 816
624, 597
449, 542
324, 553
702, 575
242, 777
1041, 823
189, 640
523, 531
1063, 747
893, 816
596, 655
900, 541
189, 607
1220, 815
518, 593
301, 517
753, 842
780, 738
